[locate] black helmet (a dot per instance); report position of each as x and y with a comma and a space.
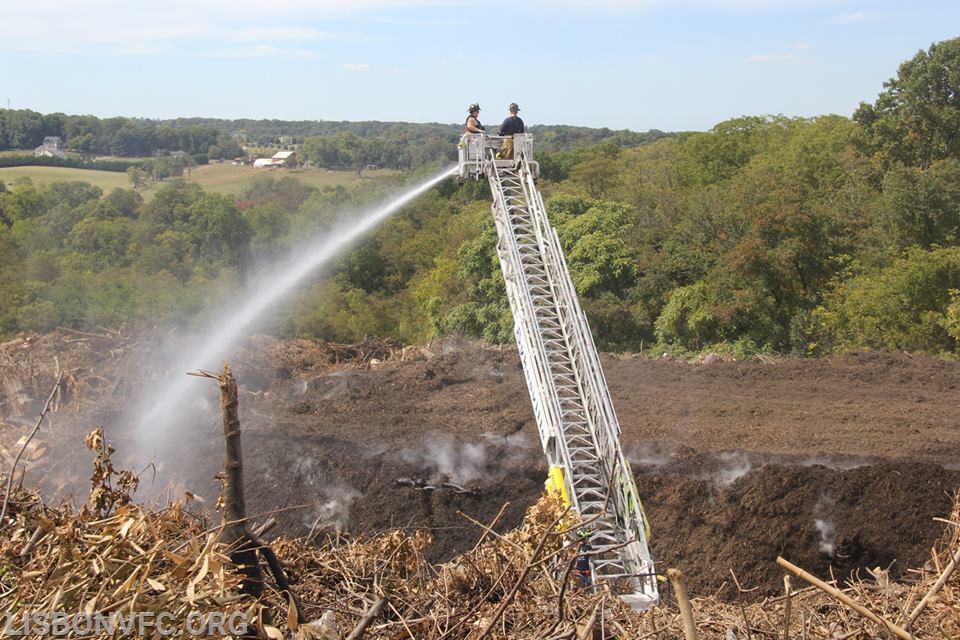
514, 106
474, 107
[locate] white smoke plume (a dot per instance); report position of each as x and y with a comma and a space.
733, 465
333, 510
835, 463
445, 458
334, 498
825, 525
646, 455
827, 535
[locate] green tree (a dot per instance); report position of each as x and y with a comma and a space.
21, 128
120, 203
904, 306
170, 207
138, 177
104, 241
269, 230
916, 119
217, 230
598, 174
596, 236
920, 207
25, 201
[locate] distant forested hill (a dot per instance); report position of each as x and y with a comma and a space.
765, 234
393, 145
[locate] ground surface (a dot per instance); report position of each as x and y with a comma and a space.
839, 464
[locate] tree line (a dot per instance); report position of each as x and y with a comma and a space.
394, 145
765, 234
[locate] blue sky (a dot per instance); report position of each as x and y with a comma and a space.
636, 64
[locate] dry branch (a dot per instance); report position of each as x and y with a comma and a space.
942, 580
844, 598
36, 428
367, 618
683, 602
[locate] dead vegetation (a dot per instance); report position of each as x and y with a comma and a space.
113, 556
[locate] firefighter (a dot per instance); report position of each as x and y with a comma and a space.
581, 568
472, 125
512, 125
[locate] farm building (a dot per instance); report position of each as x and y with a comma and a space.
285, 158
279, 159
52, 147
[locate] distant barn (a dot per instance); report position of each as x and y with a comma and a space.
279, 159
285, 158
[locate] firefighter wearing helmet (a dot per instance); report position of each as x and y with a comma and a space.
472, 124
511, 126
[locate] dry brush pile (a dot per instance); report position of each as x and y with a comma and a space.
114, 556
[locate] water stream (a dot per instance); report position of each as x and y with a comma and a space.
160, 418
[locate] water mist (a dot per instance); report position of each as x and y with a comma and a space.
159, 419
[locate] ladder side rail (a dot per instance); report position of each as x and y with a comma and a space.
625, 493
533, 373
573, 323
573, 320
510, 264
566, 301
534, 380
598, 403
596, 392
559, 299
598, 398
621, 567
635, 555
539, 382
577, 469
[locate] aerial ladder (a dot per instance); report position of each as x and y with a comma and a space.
578, 428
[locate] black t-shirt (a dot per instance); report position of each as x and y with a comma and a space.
476, 122
511, 125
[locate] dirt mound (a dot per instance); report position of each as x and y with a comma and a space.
837, 464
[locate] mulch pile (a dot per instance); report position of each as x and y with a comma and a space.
113, 556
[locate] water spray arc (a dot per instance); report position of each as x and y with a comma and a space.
156, 417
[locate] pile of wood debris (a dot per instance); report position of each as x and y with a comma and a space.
115, 557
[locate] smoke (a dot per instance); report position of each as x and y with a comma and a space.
646, 455
445, 459
835, 463
732, 466
333, 509
824, 525
334, 498
827, 535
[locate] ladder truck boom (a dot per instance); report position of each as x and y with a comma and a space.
576, 421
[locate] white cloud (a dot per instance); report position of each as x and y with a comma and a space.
357, 67
130, 26
771, 57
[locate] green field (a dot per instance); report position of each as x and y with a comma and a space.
225, 178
